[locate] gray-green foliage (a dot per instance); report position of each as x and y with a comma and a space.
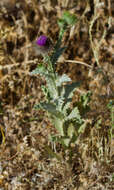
59, 90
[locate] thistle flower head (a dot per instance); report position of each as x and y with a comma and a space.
43, 45
41, 41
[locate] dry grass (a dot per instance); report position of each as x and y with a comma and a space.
24, 162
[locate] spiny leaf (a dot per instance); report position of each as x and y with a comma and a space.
82, 127
66, 105
59, 103
69, 89
42, 71
46, 92
85, 99
51, 108
61, 91
59, 125
39, 70
65, 141
52, 89
62, 79
74, 115
62, 23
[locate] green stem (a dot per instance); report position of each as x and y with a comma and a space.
61, 33
50, 60
51, 70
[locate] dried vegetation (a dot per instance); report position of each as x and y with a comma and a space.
24, 162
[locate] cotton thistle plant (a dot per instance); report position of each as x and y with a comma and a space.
58, 90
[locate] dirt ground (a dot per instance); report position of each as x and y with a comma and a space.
24, 132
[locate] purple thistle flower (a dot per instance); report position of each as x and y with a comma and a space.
42, 45
41, 41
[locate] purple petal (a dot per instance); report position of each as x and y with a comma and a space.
41, 41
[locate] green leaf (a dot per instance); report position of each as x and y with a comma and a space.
82, 128
70, 88
69, 18
85, 99
52, 89
53, 138
74, 115
61, 91
66, 105
58, 125
65, 141
59, 103
62, 79
45, 90
61, 22
41, 69
51, 108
